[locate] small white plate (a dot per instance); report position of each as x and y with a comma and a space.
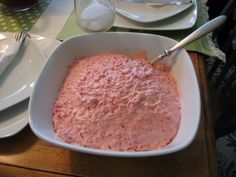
17, 81
143, 13
183, 20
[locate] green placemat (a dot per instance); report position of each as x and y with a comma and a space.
203, 45
17, 21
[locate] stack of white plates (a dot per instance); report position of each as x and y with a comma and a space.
138, 15
17, 81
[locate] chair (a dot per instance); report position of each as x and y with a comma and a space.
223, 75
220, 36
226, 123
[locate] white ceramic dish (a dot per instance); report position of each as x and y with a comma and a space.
183, 20
15, 118
45, 93
143, 13
16, 83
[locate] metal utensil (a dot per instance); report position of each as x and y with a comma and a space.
200, 32
20, 36
161, 2
166, 2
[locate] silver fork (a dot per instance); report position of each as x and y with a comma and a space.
20, 36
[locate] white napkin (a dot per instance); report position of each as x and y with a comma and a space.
9, 55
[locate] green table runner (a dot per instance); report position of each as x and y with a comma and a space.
203, 45
18, 21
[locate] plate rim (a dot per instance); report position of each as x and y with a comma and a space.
20, 122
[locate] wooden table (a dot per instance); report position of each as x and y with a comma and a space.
24, 155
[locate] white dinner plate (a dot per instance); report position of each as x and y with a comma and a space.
15, 118
183, 20
143, 13
17, 81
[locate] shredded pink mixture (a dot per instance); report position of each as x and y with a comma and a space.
117, 102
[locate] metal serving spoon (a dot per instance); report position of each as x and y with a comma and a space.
200, 32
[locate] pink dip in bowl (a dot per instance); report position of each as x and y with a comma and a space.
117, 102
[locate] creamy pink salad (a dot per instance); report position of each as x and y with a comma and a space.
117, 102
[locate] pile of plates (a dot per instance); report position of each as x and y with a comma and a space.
17, 81
133, 14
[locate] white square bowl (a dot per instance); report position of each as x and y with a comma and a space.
53, 73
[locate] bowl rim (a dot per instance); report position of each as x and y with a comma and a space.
123, 154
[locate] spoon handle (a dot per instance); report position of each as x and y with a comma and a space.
203, 30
